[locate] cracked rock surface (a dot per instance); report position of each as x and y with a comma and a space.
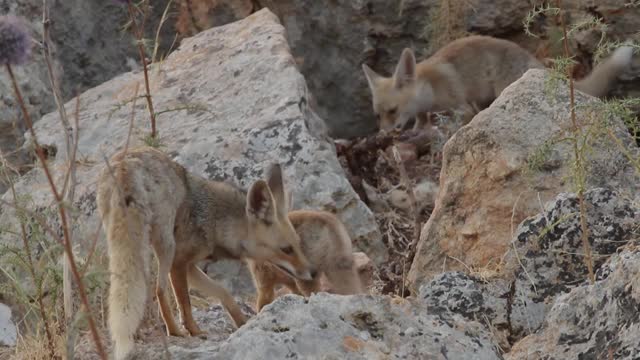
546, 263
349, 327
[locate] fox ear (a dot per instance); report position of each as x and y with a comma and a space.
276, 185
372, 77
260, 202
405, 70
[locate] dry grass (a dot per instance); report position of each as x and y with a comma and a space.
195, 16
448, 22
398, 227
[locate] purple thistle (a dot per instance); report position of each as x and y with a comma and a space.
15, 41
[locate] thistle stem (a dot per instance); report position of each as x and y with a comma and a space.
143, 58
63, 216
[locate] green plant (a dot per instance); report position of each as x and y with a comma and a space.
15, 44
588, 128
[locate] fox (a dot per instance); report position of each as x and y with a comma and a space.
465, 76
327, 245
148, 201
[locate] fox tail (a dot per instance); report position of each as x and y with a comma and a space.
599, 81
129, 252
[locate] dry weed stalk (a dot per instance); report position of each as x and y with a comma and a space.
62, 213
588, 259
404, 177
138, 32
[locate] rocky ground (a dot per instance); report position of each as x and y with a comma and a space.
490, 266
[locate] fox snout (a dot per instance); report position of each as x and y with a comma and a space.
298, 268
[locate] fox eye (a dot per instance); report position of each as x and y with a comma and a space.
392, 111
287, 250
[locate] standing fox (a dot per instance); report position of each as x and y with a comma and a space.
146, 201
327, 245
467, 75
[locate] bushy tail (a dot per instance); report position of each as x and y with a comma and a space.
129, 251
599, 81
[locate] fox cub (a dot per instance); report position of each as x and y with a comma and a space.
466, 76
146, 201
327, 245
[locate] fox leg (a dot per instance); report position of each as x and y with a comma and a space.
208, 287
308, 287
181, 291
165, 252
263, 279
265, 296
292, 285
424, 120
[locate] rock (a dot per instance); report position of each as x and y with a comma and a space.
549, 263
350, 327
234, 103
455, 292
599, 321
328, 327
499, 168
8, 332
154, 344
234, 276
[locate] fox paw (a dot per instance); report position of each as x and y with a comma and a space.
177, 333
198, 333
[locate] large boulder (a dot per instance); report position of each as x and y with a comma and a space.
545, 261
230, 102
599, 321
349, 327
506, 162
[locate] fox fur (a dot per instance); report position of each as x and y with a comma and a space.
327, 245
148, 201
466, 76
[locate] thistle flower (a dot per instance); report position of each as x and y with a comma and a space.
15, 41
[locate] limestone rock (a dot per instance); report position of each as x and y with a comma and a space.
597, 321
8, 332
546, 262
350, 327
505, 163
230, 102
458, 293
